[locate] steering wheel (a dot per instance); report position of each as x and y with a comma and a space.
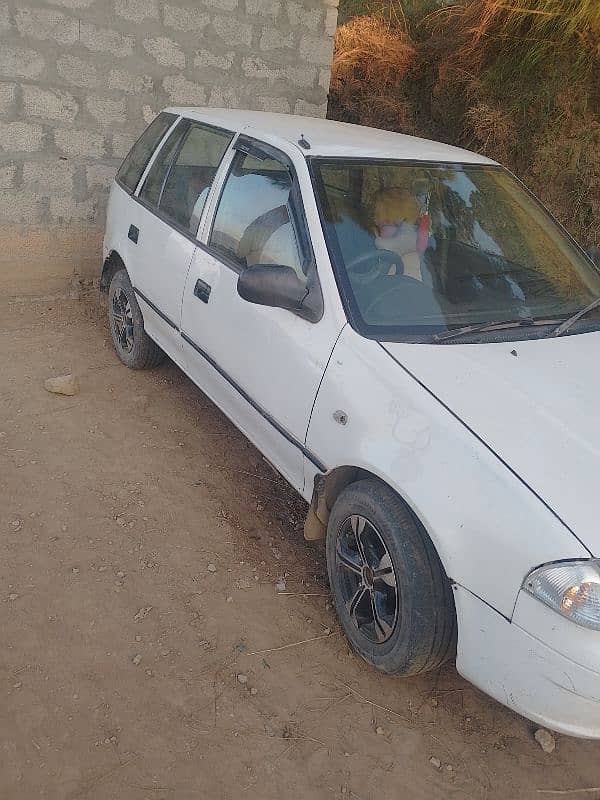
367, 267
409, 292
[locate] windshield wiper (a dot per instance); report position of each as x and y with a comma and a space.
486, 327
567, 323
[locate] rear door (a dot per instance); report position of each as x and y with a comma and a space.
261, 365
165, 223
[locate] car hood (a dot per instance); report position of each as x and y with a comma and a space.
536, 404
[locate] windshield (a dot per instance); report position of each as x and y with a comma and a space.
420, 249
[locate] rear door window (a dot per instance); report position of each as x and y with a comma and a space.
133, 166
188, 181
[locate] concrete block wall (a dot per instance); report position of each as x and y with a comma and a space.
80, 79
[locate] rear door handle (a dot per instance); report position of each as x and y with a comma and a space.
202, 290
133, 234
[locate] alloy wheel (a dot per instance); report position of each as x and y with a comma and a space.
367, 579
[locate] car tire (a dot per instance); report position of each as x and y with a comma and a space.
398, 613
131, 342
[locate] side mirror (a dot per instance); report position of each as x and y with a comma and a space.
593, 253
280, 287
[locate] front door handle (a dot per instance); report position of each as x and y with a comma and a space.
133, 234
202, 290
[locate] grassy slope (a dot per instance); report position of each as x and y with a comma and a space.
522, 87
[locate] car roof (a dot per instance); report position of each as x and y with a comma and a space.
332, 139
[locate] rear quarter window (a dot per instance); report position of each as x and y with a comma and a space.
133, 166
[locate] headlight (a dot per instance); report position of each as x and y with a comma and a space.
572, 588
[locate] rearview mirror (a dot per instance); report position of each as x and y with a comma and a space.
279, 287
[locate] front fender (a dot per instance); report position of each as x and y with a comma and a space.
488, 527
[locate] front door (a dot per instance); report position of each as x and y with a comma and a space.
261, 365
167, 213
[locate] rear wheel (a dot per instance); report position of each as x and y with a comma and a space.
390, 590
133, 345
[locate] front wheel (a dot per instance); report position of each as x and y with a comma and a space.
389, 588
133, 345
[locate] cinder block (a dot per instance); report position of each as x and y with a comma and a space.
301, 76
66, 209
123, 142
78, 143
106, 110
49, 103
7, 175
47, 23
255, 67
184, 92
204, 58
316, 50
77, 71
104, 40
221, 97
185, 19
310, 109
4, 18
7, 97
48, 176
137, 10
266, 8
274, 39
165, 51
129, 82
19, 206
17, 62
233, 31
222, 5
331, 18
277, 104
20, 137
99, 175
71, 3
307, 18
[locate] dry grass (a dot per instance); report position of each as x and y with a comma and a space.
371, 59
516, 79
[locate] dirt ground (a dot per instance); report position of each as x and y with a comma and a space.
148, 650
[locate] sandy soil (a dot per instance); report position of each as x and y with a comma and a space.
142, 540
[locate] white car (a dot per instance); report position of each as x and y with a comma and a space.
410, 339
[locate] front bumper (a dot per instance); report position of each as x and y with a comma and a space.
524, 663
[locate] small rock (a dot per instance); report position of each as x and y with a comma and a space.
136, 659
230, 599
16, 525
545, 740
75, 570
149, 673
143, 612
211, 568
17, 685
12, 596
449, 767
120, 574
242, 678
280, 585
122, 522
434, 702
435, 762
62, 384
379, 731
253, 690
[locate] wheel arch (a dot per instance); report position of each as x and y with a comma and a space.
327, 489
112, 264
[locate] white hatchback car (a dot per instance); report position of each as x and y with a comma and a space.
409, 338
